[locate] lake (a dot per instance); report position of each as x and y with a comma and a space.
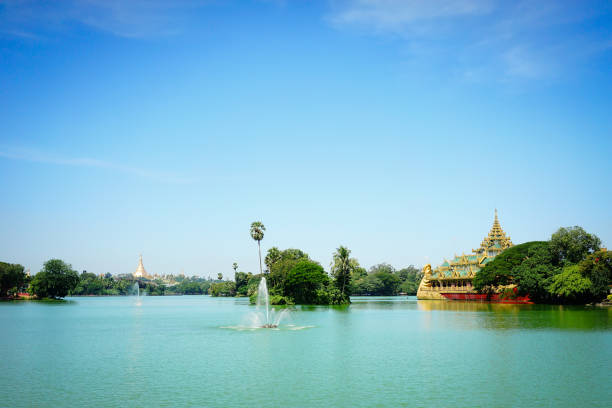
378, 352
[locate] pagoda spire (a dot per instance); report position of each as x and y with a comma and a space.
140, 270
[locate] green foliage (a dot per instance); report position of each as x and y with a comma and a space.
382, 280
571, 245
107, 285
55, 280
342, 268
242, 281
155, 288
499, 270
330, 295
280, 268
223, 289
273, 256
304, 280
252, 285
597, 267
279, 300
257, 230
570, 286
257, 233
189, 286
12, 278
410, 279
533, 275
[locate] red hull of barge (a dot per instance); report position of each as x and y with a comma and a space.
477, 297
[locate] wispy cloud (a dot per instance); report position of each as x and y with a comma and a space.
491, 39
405, 15
42, 157
132, 18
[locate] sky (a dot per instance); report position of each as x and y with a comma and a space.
395, 128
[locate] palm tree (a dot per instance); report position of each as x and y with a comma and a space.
235, 267
257, 233
274, 255
342, 266
219, 276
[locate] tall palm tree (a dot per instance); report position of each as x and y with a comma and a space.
342, 266
235, 267
257, 233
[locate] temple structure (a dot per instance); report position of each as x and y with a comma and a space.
455, 276
140, 270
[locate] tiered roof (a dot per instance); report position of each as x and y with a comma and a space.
466, 265
496, 239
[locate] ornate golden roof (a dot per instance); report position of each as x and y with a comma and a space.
497, 237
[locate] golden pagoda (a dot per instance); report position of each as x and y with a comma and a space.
455, 276
140, 270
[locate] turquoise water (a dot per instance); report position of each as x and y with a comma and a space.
378, 352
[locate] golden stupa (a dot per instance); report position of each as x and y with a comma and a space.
140, 270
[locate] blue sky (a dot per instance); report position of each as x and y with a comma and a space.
392, 127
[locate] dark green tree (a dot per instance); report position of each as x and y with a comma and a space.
410, 278
571, 245
281, 267
570, 286
533, 275
273, 256
12, 278
55, 280
499, 270
597, 267
223, 289
242, 281
342, 268
304, 280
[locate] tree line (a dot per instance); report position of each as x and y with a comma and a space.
57, 279
293, 277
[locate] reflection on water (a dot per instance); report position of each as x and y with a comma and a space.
288, 327
498, 316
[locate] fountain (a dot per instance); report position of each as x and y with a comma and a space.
136, 292
264, 317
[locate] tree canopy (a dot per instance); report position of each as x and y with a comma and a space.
303, 281
55, 280
12, 278
499, 270
572, 244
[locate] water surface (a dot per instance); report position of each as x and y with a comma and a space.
377, 352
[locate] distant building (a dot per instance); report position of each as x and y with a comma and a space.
455, 276
140, 270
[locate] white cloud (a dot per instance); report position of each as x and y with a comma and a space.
402, 15
35, 156
519, 63
481, 39
131, 18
